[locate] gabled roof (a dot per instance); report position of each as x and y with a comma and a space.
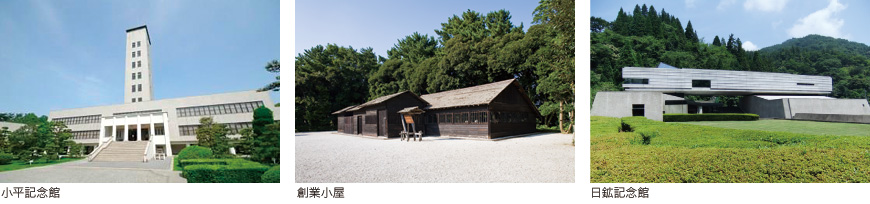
343, 109
475, 95
375, 101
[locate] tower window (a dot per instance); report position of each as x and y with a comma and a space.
140, 99
134, 45
133, 100
138, 63
139, 53
139, 74
134, 88
140, 87
134, 76
133, 54
133, 65
138, 43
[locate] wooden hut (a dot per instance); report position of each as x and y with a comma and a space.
486, 111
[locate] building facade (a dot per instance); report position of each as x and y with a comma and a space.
487, 111
160, 126
652, 92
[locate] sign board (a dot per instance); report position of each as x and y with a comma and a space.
409, 119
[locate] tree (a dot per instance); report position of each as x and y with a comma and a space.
266, 144
690, 33
598, 24
556, 76
4, 135
275, 67
214, 136
716, 41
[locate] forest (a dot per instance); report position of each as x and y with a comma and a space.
470, 49
647, 36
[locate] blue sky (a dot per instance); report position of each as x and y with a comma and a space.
379, 24
70, 54
759, 23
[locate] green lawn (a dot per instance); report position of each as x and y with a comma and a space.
795, 126
15, 165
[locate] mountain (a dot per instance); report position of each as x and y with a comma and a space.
846, 62
819, 42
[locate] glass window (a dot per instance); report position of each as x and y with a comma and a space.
134, 76
139, 87
139, 53
133, 100
134, 45
133, 54
134, 88
138, 43
637, 110
133, 65
140, 99
138, 63
139, 75
635, 81
701, 83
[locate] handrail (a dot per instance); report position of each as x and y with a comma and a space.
100, 148
148, 151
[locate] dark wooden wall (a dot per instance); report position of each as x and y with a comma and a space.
394, 123
511, 101
458, 129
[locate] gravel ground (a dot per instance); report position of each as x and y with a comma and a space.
330, 157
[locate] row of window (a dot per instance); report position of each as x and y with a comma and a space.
134, 100
635, 81
137, 54
137, 44
461, 117
511, 117
220, 109
135, 86
88, 134
78, 120
232, 128
137, 75
136, 64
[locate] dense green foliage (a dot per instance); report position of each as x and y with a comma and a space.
195, 152
639, 150
679, 117
23, 118
470, 49
264, 140
213, 136
273, 175
223, 171
645, 37
38, 138
6, 158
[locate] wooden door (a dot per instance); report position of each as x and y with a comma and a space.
382, 122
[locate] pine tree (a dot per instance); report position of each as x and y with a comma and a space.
716, 41
690, 33
730, 45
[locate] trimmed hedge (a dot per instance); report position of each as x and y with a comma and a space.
272, 176
6, 158
680, 117
231, 171
195, 152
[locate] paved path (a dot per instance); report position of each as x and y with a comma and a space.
82, 171
329, 157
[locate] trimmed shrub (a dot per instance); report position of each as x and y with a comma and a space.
272, 176
195, 152
240, 172
6, 158
680, 117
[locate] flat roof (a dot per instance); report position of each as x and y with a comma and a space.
146, 31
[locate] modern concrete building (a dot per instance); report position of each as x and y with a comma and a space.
652, 92
142, 128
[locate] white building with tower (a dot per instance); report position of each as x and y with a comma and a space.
144, 128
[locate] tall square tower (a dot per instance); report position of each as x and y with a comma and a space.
137, 69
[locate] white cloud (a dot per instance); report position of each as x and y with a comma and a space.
723, 4
749, 46
765, 5
821, 22
690, 3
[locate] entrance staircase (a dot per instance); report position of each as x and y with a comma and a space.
122, 151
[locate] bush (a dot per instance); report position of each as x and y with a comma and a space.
6, 158
195, 152
272, 176
679, 117
234, 172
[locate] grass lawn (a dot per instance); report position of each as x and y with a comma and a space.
795, 126
17, 164
639, 150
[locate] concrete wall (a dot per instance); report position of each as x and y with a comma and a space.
828, 106
619, 104
764, 108
11, 126
143, 48
723, 82
833, 117
170, 106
